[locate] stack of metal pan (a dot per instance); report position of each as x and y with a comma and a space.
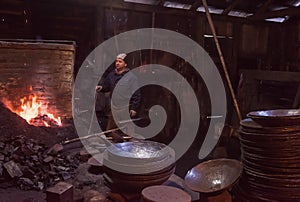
132, 166
270, 143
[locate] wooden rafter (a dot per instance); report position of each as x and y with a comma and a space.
161, 2
120, 4
196, 5
279, 13
263, 8
230, 7
213, 31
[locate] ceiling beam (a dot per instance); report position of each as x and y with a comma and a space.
230, 7
120, 4
279, 13
161, 2
195, 5
263, 7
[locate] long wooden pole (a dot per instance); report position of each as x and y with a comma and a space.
222, 59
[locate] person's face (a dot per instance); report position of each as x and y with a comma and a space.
120, 64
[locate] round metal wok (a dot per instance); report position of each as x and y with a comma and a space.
139, 150
213, 176
248, 125
276, 118
139, 157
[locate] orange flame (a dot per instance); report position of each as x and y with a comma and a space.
30, 109
33, 111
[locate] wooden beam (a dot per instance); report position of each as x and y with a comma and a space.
296, 103
99, 23
265, 75
161, 2
213, 31
230, 7
119, 4
196, 5
279, 13
263, 8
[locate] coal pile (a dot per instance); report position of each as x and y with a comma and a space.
12, 125
28, 158
30, 165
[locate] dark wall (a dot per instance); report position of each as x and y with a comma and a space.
250, 45
256, 45
50, 20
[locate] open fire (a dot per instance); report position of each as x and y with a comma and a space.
34, 112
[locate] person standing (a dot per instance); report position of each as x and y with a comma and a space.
126, 90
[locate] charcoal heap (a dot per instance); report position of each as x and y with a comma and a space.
30, 165
12, 125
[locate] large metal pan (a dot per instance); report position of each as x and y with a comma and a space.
276, 118
139, 157
213, 176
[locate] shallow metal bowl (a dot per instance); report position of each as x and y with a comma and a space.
140, 157
213, 176
276, 118
140, 150
248, 125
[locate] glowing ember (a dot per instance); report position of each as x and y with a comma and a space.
35, 113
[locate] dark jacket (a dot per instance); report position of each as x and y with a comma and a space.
126, 86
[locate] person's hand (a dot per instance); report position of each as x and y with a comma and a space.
98, 88
132, 113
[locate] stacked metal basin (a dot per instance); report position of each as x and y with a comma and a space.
270, 143
132, 166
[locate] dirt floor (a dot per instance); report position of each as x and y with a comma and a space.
43, 164
31, 162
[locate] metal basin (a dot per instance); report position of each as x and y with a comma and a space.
213, 176
276, 118
140, 157
135, 183
132, 166
140, 151
248, 125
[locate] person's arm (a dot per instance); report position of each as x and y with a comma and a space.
104, 86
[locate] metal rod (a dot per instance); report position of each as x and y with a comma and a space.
89, 136
222, 59
130, 120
